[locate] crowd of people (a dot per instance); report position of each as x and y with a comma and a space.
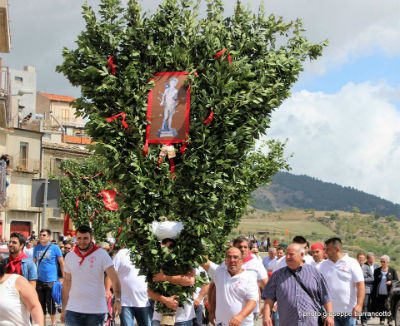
88, 284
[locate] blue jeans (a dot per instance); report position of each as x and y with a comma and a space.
182, 323
73, 318
142, 315
345, 321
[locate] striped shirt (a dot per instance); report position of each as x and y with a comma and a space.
295, 307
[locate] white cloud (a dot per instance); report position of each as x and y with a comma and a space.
351, 137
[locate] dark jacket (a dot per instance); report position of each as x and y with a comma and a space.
368, 278
391, 276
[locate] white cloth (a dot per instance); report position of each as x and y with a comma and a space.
200, 270
342, 277
232, 293
28, 252
382, 290
256, 266
133, 285
279, 263
308, 259
316, 265
87, 293
12, 310
182, 314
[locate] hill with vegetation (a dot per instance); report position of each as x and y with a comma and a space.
303, 192
359, 232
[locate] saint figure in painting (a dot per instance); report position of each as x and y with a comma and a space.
168, 101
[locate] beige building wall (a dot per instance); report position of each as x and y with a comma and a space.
19, 191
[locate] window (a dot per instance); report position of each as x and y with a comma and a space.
65, 114
18, 79
23, 155
56, 212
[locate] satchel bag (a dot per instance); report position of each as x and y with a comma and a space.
321, 315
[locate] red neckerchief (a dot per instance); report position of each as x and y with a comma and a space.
14, 265
249, 257
78, 253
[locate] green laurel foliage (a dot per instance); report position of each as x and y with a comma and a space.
76, 184
220, 167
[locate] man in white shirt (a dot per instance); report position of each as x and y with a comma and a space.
346, 283
134, 298
278, 262
83, 293
317, 252
236, 290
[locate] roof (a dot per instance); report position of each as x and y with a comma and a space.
56, 97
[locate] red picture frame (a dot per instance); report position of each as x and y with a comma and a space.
168, 115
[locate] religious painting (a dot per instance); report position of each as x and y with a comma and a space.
168, 109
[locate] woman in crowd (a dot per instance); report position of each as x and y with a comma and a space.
18, 300
383, 277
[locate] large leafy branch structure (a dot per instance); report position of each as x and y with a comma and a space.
220, 167
81, 196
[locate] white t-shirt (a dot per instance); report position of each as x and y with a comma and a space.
308, 259
182, 314
233, 292
341, 278
87, 293
279, 263
133, 286
317, 265
200, 270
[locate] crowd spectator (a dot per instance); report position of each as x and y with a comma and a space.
295, 305
28, 249
46, 255
383, 278
368, 280
18, 262
134, 299
230, 280
83, 292
19, 300
67, 247
268, 259
346, 282
317, 253
371, 262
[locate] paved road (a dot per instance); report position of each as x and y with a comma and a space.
372, 322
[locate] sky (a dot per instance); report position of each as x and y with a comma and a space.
342, 122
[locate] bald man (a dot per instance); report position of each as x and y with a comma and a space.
295, 306
236, 290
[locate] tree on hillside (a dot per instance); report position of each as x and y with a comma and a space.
117, 55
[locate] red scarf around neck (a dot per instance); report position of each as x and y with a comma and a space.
249, 257
91, 250
14, 265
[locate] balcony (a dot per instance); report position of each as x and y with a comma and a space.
26, 165
81, 140
5, 43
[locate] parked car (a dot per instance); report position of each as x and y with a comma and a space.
394, 302
4, 252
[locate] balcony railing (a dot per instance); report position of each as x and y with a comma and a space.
26, 165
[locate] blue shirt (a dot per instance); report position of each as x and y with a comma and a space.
295, 307
266, 262
28, 269
47, 269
